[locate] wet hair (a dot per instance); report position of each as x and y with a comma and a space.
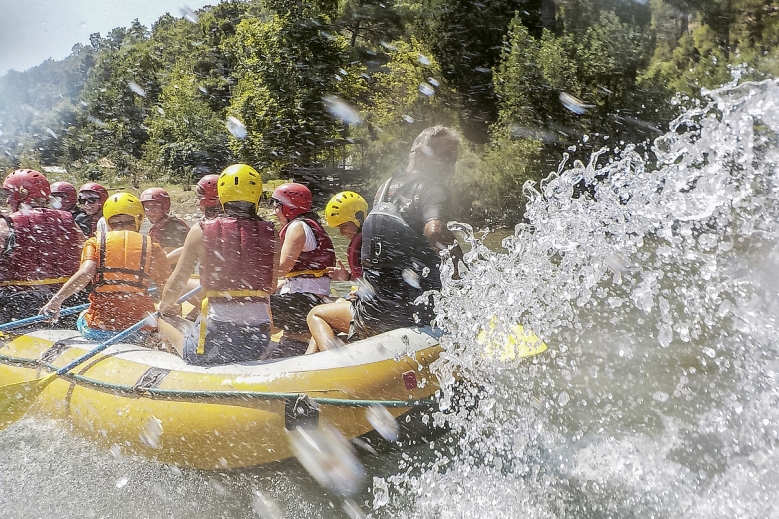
241, 209
427, 136
310, 215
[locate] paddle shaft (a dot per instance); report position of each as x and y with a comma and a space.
41, 317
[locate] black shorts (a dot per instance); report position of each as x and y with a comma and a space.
291, 310
374, 316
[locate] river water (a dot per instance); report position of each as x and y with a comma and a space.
651, 275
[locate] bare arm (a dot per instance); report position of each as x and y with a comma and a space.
5, 231
77, 282
193, 251
440, 237
294, 241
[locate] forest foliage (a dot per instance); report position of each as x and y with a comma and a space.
293, 84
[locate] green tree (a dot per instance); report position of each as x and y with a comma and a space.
287, 64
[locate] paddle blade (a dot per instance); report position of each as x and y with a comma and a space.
516, 344
16, 399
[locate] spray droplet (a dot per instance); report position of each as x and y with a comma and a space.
426, 89
236, 127
339, 109
150, 435
265, 507
138, 89
329, 458
574, 104
383, 421
189, 14
411, 277
423, 59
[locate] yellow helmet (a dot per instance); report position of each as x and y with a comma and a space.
344, 207
239, 183
124, 203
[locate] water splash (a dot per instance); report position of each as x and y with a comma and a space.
652, 278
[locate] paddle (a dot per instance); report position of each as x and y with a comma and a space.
41, 317
515, 344
16, 399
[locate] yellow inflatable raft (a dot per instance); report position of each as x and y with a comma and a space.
153, 404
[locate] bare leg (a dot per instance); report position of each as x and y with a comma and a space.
172, 331
324, 321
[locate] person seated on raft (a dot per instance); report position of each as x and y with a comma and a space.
40, 246
304, 279
239, 255
401, 241
207, 202
65, 198
167, 230
92, 196
121, 264
346, 211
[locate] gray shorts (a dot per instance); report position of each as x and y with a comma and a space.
226, 343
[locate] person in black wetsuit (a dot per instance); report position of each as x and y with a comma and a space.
402, 238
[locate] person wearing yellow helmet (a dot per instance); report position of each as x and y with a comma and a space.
346, 211
238, 253
121, 264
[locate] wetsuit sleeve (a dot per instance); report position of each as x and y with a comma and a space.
160, 268
434, 200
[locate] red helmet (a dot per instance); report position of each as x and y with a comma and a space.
96, 188
67, 194
157, 194
207, 191
295, 199
25, 185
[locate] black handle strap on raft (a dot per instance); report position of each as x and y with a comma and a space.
301, 413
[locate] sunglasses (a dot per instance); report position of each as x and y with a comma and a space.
276, 203
84, 200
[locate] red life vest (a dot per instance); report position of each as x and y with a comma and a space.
44, 248
169, 232
237, 258
353, 255
313, 263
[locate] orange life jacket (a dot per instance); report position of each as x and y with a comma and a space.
124, 262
